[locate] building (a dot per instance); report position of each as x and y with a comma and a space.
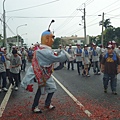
75, 40
13, 40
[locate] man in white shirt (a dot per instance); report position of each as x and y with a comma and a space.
95, 59
23, 57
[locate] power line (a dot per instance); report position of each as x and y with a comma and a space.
44, 17
75, 31
113, 10
33, 6
8, 27
66, 21
67, 29
103, 9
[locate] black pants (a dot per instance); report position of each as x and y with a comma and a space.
23, 66
14, 78
72, 64
37, 97
3, 75
8, 74
79, 64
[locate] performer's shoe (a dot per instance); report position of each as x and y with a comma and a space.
36, 110
50, 107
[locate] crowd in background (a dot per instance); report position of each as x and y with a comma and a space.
86, 57
11, 65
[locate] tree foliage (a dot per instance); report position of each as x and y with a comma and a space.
56, 43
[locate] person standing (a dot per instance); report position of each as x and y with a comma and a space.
79, 58
15, 63
30, 54
86, 61
118, 51
7, 57
2, 71
110, 66
72, 53
95, 60
23, 57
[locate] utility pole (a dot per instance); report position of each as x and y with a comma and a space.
4, 27
84, 26
84, 19
102, 28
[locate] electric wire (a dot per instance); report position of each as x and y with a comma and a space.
33, 6
8, 28
103, 9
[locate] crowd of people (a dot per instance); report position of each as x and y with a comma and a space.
11, 65
87, 57
100, 59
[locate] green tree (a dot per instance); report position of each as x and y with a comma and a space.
56, 43
1, 37
107, 24
109, 34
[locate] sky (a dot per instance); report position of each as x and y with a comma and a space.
37, 14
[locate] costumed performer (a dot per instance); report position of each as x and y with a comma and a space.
41, 70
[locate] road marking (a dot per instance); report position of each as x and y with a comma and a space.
5, 100
74, 99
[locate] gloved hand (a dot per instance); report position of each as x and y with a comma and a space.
30, 88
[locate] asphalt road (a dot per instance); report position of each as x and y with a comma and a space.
88, 91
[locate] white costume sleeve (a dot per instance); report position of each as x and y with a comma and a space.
47, 57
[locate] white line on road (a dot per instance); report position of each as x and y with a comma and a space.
74, 99
5, 100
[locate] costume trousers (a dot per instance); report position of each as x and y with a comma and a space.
37, 97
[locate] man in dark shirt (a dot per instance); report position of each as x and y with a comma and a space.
110, 66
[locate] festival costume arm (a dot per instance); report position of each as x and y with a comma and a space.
47, 57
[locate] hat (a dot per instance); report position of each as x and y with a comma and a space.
78, 44
13, 46
110, 42
60, 45
70, 45
2, 49
85, 45
113, 42
110, 46
94, 44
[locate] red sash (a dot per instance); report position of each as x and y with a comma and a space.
42, 74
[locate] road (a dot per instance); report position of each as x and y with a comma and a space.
77, 98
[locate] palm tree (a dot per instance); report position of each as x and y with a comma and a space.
107, 24
1, 36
